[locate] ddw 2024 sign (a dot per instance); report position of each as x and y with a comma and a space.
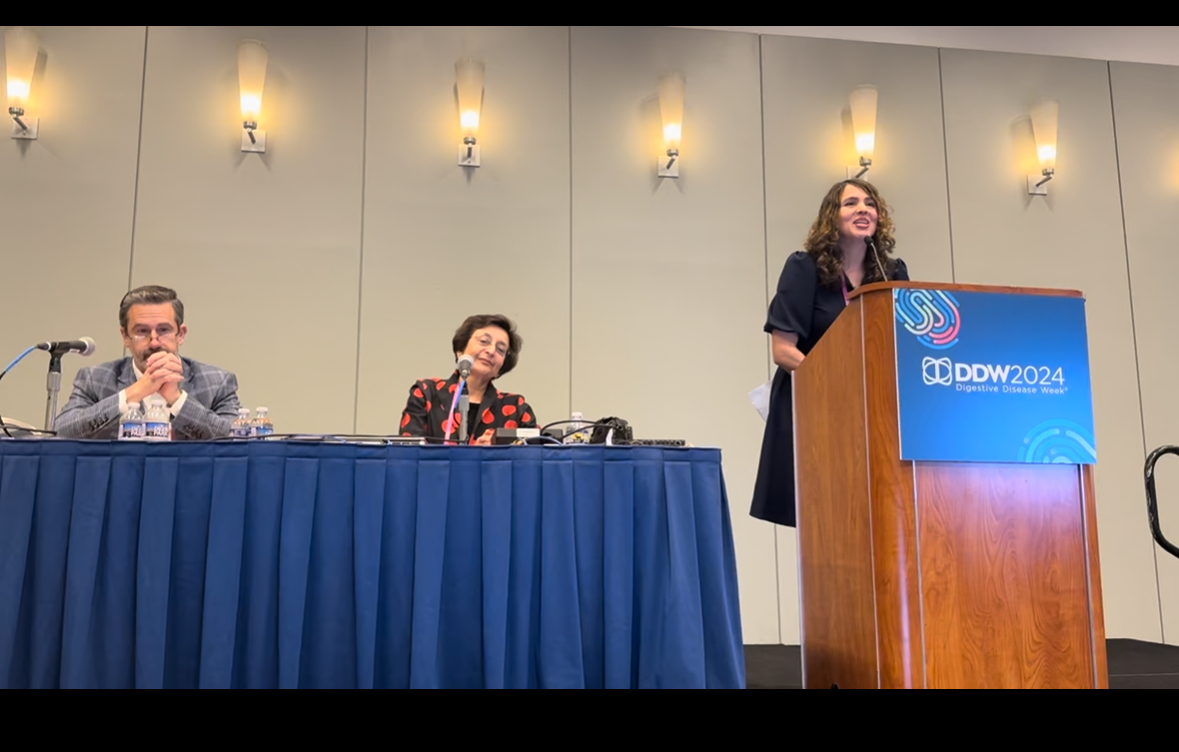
993, 377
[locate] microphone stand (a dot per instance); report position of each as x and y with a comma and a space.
464, 409
52, 386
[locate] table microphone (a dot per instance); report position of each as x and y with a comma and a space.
465, 364
83, 346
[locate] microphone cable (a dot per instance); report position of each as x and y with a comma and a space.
8, 368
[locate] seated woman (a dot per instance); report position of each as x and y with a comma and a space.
494, 345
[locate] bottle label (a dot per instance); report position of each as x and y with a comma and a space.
240, 432
132, 431
265, 429
157, 430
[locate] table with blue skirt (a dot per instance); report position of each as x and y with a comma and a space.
303, 564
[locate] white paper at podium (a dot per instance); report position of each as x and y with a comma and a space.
760, 397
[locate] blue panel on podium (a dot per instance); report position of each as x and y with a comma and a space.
993, 377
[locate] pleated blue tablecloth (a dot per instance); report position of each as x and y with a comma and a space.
285, 564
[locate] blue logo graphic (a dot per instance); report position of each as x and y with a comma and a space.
930, 315
1058, 441
1022, 362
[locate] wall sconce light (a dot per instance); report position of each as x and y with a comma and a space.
670, 89
20, 52
1044, 117
468, 79
251, 80
862, 102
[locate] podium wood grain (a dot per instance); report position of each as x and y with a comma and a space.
1003, 576
1097, 604
895, 541
834, 536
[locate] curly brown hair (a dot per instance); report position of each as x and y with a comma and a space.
467, 329
822, 242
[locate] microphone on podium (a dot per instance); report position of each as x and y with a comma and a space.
876, 255
83, 346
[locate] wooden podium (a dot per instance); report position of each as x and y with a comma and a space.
931, 574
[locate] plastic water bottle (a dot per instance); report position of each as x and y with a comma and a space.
242, 426
131, 426
157, 424
577, 430
262, 425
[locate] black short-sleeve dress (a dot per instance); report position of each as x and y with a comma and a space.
804, 307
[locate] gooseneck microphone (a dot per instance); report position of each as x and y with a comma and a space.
465, 364
83, 346
872, 244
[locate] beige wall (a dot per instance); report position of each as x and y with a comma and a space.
264, 248
668, 274
66, 206
1146, 113
330, 272
442, 241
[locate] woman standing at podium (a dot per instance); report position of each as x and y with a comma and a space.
848, 245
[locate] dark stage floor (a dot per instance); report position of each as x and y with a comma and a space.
1132, 665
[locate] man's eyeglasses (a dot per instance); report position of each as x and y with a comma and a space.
163, 334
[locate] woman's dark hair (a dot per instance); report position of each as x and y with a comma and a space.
462, 336
822, 242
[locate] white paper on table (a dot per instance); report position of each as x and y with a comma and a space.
760, 397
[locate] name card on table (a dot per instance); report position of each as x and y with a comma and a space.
993, 377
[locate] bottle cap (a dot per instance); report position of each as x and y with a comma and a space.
132, 405
243, 411
263, 409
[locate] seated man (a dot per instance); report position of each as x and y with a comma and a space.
202, 399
